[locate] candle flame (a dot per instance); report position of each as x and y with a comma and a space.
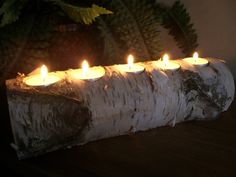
85, 67
195, 56
166, 59
130, 61
44, 72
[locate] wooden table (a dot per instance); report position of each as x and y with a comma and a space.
192, 149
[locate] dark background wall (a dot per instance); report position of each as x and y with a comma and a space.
215, 22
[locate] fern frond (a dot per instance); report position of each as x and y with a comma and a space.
82, 14
112, 49
136, 27
10, 11
177, 20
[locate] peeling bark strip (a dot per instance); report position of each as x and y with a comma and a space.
74, 112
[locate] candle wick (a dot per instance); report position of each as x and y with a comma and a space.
44, 80
84, 74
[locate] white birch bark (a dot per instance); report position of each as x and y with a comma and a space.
74, 112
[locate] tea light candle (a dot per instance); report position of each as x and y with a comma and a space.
87, 73
42, 79
195, 60
165, 64
130, 67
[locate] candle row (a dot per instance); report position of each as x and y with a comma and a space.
86, 73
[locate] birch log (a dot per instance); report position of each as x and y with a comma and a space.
74, 112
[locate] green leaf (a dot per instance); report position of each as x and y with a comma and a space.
133, 28
82, 14
10, 11
112, 49
177, 20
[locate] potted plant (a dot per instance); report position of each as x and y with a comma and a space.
55, 31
